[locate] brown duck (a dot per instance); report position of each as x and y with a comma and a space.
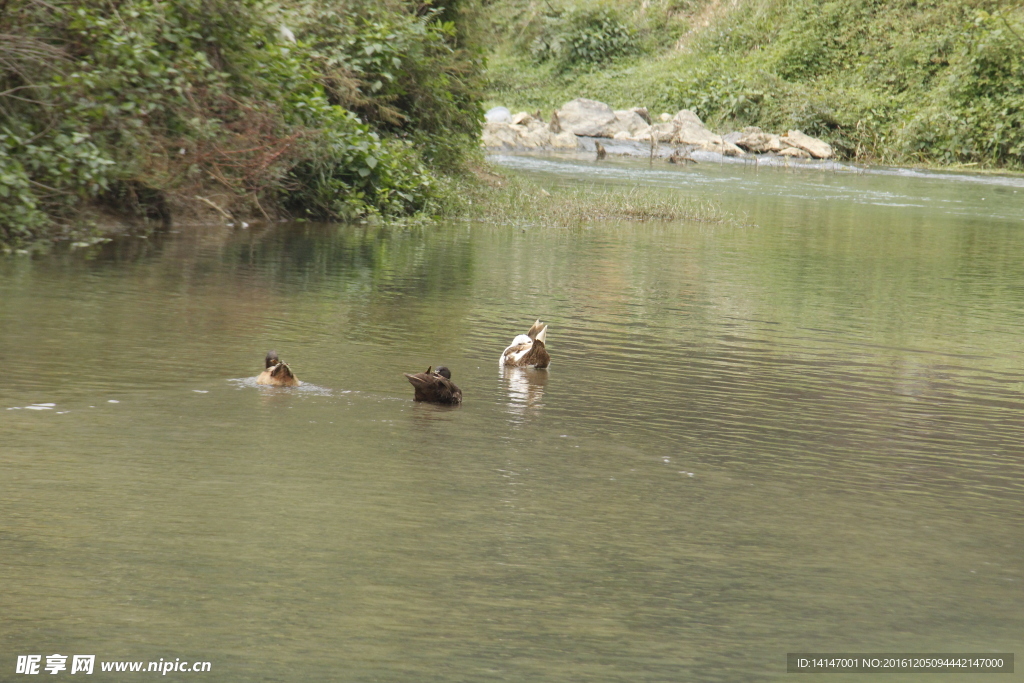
277, 374
528, 350
435, 387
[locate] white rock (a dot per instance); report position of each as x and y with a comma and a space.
795, 152
642, 113
565, 140
685, 116
664, 132
498, 115
730, 150
586, 117
819, 149
522, 119
498, 135
631, 122
531, 134
690, 130
753, 139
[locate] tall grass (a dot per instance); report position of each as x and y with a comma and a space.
513, 198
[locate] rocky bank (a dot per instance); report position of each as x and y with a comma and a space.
582, 123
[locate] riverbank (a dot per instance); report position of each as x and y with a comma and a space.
588, 124
154, 112
909, 84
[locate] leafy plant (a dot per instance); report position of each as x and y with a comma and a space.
132, 103
584, 37
412, 74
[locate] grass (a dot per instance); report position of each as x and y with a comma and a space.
508, 197
908, 82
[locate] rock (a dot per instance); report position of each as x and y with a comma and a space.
643, 113
522, 119
755, 140
555, 126
665, 117
498, 115
774, 143
795, 152
622, 135
733, 137
565, 141
597, 119
533, 138
629, 121
729, 149
586, 117
690, 130
819, 149
499, 135
663, 132
685, 116
529, 133
681, 156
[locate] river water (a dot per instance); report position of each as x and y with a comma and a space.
798, 430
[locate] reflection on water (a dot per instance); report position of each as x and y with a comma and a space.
525, 389
797, 433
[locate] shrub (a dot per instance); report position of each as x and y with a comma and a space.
129, 102
411, 74
584, 37
978, 114
346, 171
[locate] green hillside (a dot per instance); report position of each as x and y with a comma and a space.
894, 81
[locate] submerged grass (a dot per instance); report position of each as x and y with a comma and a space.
512, 198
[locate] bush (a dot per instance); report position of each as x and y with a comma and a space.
412, 74
894, 81
584, 37
978, 115
129, 102
348, 171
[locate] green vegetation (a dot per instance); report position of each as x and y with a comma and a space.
582, 37
513, 198
894, 81
321, 109
332, 109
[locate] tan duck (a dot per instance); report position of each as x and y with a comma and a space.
435, 387
277, 374
528, 350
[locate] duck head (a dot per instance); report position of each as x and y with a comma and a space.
272, 359
443, 371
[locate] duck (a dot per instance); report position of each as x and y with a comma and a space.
277, 373
435, 387
528, 350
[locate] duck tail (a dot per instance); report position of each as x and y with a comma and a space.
283, 371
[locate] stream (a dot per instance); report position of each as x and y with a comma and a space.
797, 430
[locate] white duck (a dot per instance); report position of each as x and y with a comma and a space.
528, 350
